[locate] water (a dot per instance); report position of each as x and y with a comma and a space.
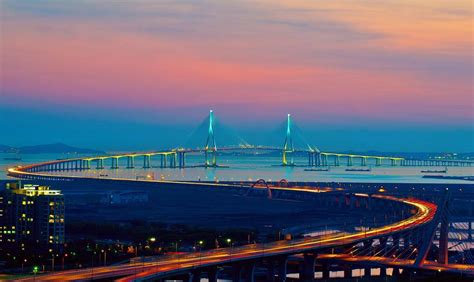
251, 168
27, 159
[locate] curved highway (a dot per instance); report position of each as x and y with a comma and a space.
170, 265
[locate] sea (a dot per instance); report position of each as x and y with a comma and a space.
247, 168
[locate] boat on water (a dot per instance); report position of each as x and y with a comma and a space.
468, 178
435, 171
316, 169
359, 169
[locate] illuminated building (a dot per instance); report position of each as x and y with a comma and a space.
31, 215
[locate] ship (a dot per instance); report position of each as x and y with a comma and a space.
435, 171
359, 169
316, 169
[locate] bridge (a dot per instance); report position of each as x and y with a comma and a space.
401, 246
176, 158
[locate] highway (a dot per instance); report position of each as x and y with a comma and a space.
399, 263
167, 265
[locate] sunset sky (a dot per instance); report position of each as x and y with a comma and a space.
356, 75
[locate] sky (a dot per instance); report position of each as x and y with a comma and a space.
124, 75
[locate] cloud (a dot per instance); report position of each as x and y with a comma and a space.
358, 61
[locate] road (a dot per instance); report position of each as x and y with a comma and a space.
180, 263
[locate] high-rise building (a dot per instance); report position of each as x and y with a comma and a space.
31, 215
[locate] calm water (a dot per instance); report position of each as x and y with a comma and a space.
250, 168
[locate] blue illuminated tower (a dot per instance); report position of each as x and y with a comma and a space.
288, 148
211, 148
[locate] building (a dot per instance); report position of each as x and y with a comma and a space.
31, 215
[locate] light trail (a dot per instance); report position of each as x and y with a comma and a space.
168, 265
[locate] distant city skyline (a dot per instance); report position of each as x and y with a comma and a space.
378, 75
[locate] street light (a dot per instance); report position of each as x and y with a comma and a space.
201, 243
62, 260
105, 256
35, 270
229, 242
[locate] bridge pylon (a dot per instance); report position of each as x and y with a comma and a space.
288, 148
440, 219
210, 150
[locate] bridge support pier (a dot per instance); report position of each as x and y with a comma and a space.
317, 159
383, 271
212, 274
146, 161
326, 271
277, 269
282, 269
243, 272
469, 225
349, 161
115, 163
324, 160
307, 268
174, 160
188, 277
395, 271
130, 162
171, 160
181, 159
443, 241
271, 273
100, 164
347, 271
195, 276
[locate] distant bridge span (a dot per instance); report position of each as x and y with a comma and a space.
176, 158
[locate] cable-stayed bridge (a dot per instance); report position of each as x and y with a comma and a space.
176, 158
402, 245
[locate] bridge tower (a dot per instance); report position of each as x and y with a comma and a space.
440, 219
288, 148
210, 150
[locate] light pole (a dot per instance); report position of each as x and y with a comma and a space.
22, 264
62, 261
201, 243
229, 242
35, 270
92, 266
105, 256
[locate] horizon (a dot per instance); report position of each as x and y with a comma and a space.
78, 73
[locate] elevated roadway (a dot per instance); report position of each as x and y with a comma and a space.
174, 265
